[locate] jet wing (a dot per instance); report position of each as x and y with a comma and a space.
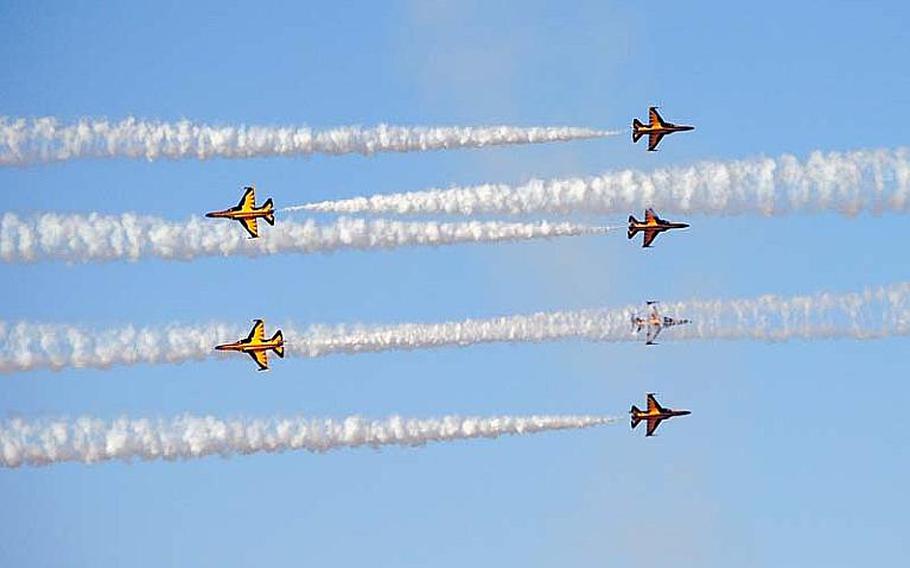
257, 334
262, 359
653, 332
654, 139
248, 201
654, 118
653, 405
650, 235
653, 423
251, 226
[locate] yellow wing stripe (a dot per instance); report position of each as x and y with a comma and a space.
248, 201
251, 226
258, 333
261, 358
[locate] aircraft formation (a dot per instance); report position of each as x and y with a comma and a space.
652, 323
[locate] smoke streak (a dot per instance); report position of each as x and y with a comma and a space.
848, 182
873, 313
91, 440
30, 141
94, 237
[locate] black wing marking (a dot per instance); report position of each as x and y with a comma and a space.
653, 405
653, 423
251, 226
261, 358
248, 201
258, 328
654, 139
654, 118
653, 332
649, 237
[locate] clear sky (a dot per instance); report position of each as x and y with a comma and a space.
795, 455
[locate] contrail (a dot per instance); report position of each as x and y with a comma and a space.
846, 182
92, 440
95, 237
30, 141
873, 313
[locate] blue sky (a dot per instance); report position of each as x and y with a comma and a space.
784, 461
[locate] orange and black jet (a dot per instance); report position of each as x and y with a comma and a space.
656, 129
247, 213
654, 415
651, 226
654, 323
257, 346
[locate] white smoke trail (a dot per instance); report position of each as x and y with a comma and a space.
29, 141
873, 313
91, 440
94, 237
848, 182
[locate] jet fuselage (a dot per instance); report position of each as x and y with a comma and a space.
662, 415
663, 129
231, 214
660, 226
244, 347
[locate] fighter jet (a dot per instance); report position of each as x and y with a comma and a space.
654, 323
247, 213
652, 226
257, 346
656, 129
654, 415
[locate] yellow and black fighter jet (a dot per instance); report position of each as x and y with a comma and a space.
247, 213
654, 415
654, 323
656, 129
651, 226
257, 346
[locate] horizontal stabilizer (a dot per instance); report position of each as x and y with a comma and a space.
270, 207
632, 229
635, 416
636, 130
279, 338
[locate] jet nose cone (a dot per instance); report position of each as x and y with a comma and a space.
211, 214
685, 412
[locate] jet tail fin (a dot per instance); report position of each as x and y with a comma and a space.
269, 206
278, 349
